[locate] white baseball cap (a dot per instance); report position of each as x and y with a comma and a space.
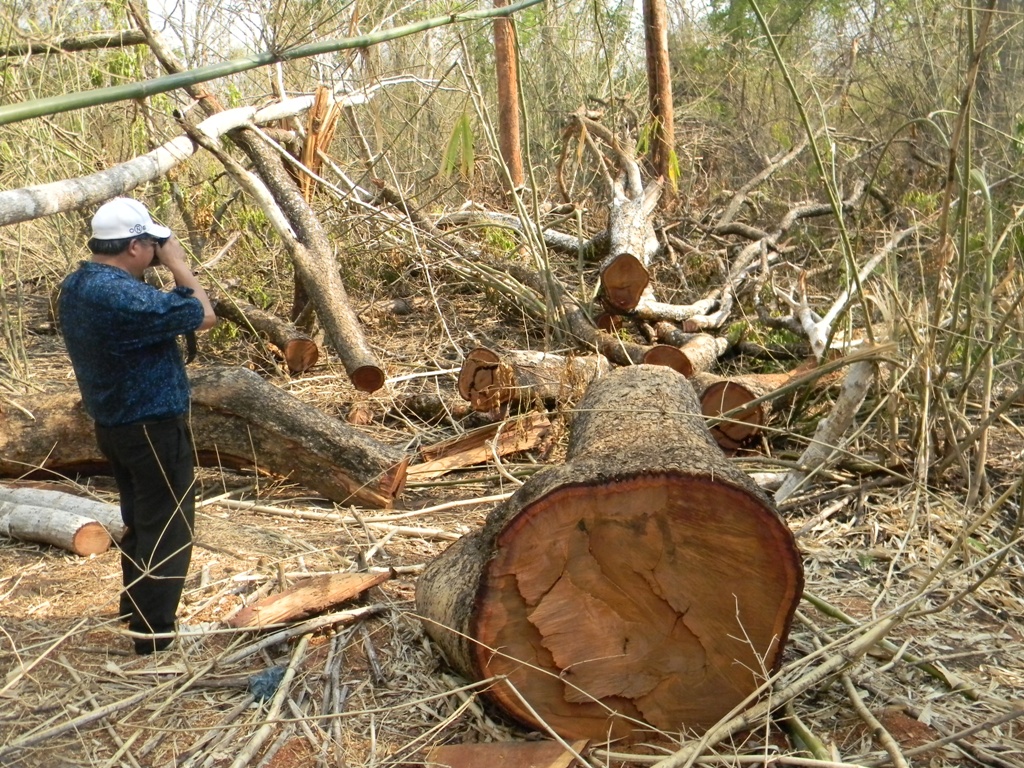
123, 218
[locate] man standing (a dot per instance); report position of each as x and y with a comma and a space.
121, 335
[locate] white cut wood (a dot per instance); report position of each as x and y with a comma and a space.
107, 515
74, 533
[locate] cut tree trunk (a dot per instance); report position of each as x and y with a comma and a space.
488, 380
76, 534
300, 352
699, 354
646, 579
719, 396
107, 515
238, 421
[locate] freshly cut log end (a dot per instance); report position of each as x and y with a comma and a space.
645, 581
71, 532
367, 378
482, 378
623, 282
722, 397
670, 357
301, 354
91, 539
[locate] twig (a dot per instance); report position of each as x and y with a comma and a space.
248, 752
878, 731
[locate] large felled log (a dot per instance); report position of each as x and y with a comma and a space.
238, 420
76, 534
300, 352
488, 380
107, 515
646, 579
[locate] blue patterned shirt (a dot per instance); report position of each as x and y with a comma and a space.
121, 336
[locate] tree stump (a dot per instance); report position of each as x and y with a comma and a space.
646, 580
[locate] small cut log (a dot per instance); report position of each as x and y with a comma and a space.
645, 580
698, 355
107, 515
489, 381
79, 535
307, 598
300, 352
720, 396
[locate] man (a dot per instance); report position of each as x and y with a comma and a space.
121, 335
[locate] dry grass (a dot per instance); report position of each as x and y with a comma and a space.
945, 683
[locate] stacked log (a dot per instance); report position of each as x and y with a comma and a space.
646, 580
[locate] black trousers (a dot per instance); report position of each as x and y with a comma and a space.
153, 466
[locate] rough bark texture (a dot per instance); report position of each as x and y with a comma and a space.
488, 380
507, 75
300, 352
238, 420
646, 578
79, 535
107, 515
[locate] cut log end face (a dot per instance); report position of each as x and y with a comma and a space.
623, 282
671, 357
662, 598
367, 378
740, 427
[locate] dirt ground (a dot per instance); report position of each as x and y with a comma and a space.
946, 687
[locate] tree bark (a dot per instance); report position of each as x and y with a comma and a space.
79, 535
507, 73
238, 421
307, 598
659, 87
107, 515
647, 579
300, 352
488, 380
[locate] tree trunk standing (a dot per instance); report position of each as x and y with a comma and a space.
238, 421
507, 71
646, 578
659, 87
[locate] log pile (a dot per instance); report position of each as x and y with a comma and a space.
646, 580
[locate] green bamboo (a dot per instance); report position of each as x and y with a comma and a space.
13, 113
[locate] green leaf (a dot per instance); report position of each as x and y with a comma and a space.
459, 153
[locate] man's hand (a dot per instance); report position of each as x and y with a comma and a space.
172, 255
170, 252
